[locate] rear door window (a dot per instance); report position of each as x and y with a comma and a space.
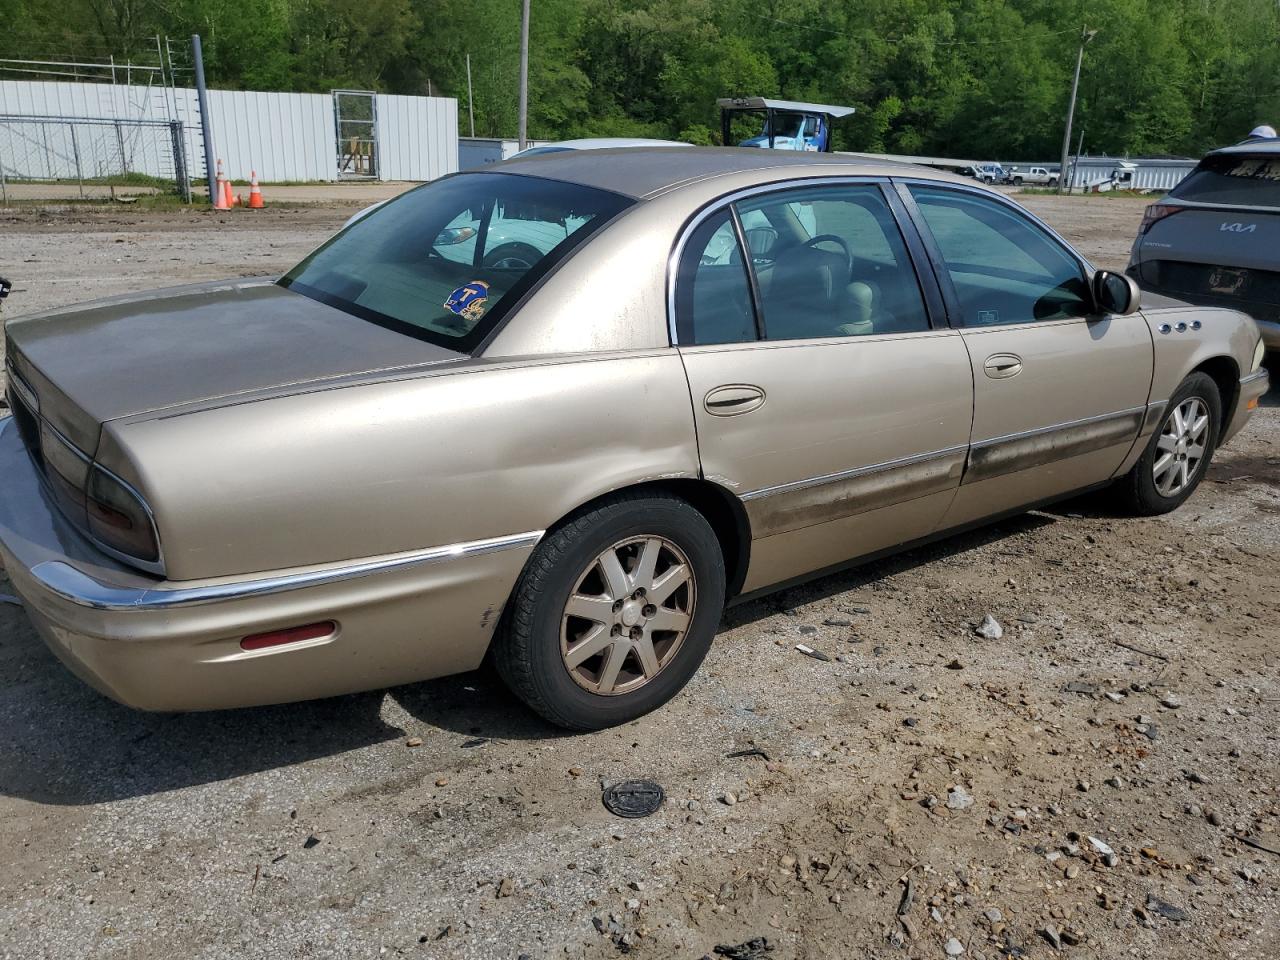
713, 294
1234, 179
834, 264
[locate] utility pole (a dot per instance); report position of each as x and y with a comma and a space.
202, 97
1085, 36
524, 73
1075, 164
471, 107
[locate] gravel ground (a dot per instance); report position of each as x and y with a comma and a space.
925, 785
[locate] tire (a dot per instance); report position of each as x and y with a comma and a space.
540, 634
1146, 491
512, 256
1017, 181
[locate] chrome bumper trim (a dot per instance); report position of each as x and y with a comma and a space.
65, 581
1260, 374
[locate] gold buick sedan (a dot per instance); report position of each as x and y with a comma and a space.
561, 412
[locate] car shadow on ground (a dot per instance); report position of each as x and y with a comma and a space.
65, 744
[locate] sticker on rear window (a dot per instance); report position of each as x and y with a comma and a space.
469, 301
988, 316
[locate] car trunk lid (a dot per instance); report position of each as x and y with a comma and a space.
127, 356
1217, 234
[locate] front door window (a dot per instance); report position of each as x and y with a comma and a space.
1003, 267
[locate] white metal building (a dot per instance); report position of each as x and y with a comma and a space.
1131, 173
281, 136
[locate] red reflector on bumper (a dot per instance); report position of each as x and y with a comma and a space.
278, 638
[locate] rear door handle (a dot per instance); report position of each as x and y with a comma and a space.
1002, 365
732, 399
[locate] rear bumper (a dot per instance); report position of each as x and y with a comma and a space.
158, 645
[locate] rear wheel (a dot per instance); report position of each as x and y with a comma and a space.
512, 256
614, 612
1179, 453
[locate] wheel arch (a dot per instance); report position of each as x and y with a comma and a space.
721, 508
1225, 374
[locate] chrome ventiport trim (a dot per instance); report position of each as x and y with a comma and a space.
71, 584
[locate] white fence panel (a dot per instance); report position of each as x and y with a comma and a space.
282, 136
417, 137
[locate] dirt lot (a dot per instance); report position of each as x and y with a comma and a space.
1083, 779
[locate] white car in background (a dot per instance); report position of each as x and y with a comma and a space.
596, 143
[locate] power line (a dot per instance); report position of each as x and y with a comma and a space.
937, 43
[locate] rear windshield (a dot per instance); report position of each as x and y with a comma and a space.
444, 262
1248, 181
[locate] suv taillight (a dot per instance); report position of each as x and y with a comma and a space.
1155, 213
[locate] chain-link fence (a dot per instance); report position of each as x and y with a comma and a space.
92, 153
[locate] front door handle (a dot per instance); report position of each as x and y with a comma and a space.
1002, 365
733, 399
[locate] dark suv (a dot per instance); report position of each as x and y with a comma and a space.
1215, 238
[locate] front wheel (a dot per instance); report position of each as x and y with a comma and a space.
614, 612
1179, 453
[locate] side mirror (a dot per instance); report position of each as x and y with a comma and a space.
1115, 293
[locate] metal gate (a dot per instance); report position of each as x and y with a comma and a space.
356, 118
102, 152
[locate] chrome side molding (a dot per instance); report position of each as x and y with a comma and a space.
65, 581
803, 503
1035, 448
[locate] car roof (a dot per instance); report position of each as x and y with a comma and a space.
1269, 147
644, 172
604, 143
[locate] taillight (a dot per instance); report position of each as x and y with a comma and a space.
1155, 213
119, 519
279, 638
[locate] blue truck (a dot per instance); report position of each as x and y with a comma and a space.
787, 124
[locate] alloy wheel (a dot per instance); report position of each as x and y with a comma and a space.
1181, 446
627, 615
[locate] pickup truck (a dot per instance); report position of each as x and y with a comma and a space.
988, 173
1039, 176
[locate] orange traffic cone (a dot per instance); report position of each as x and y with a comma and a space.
218, 191
255, 192
228, 195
